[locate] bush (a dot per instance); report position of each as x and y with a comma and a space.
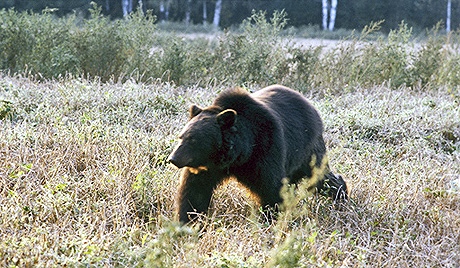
36, 43
51, 47
258, 53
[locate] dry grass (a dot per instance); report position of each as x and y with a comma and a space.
83, 181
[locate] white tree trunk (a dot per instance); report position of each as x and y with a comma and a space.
168, 4
217, 11
449, 14
124, 7
164, 10
127, 7
205, 13
188, 11
130, 6
333, 14
325, 11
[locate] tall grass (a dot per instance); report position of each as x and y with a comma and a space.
83, 181
257, 53
46, 46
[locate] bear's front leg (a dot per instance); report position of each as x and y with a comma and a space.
195, 192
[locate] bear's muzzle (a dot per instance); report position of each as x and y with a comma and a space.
175, 161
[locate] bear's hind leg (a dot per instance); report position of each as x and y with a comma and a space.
329, 184
334, 186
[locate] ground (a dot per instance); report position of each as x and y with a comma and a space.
84, 180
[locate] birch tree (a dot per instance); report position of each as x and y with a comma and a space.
449, 15
205, 13
333, 14
217, 11
164, 10
188, 11
329, 12
127, 7
325, 15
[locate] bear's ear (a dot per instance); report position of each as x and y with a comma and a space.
194, 111
226, 118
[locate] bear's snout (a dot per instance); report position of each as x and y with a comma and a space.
180, 157
173, 159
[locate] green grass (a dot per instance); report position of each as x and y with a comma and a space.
83, 181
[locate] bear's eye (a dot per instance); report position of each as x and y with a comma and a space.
188, 139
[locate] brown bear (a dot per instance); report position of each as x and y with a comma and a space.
259, 139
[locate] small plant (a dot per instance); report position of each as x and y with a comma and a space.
170, 239
99, 46
6, 109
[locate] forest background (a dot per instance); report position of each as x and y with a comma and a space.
351, 14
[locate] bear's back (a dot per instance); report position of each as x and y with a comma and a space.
296, 114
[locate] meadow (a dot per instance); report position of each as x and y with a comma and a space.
83, 173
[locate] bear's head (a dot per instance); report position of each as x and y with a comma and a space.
203, 137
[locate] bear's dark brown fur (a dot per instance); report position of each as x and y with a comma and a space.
259, 139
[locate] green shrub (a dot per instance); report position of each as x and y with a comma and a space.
37, 43
429, 59
447, 74
394, 57
258, 53
16, 40
51, 47
138, 37
6, 109
99, 46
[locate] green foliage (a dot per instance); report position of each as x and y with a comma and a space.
47, 46
291, 251
257, 55
137, 34
36, 43
394, 57
396, 61
430, 58
259, 52
173, 63
99, 46
6, 109
350, 14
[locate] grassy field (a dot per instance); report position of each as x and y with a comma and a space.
83, 173
83, 181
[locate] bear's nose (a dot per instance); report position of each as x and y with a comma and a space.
174, 161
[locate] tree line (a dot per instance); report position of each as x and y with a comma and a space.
348, 14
